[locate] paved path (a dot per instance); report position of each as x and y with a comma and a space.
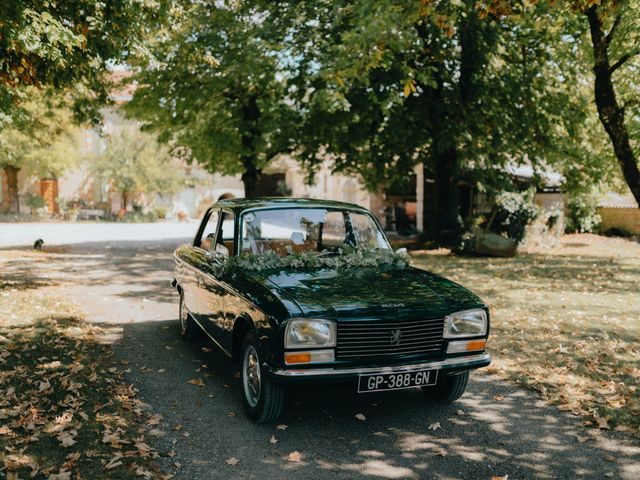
61, 233
496, 429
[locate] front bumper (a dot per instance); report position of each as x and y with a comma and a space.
446, 366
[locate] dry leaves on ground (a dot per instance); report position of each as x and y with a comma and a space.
65, 410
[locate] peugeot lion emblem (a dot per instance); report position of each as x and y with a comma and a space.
395, 337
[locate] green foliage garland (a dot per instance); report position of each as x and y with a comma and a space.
345, 258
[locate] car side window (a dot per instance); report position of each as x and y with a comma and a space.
334, 231
225, 243
207, 239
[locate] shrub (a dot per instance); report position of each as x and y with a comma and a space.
514, 211
35, 201
161, 211
582, 213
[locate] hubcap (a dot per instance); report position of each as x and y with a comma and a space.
251, 376
183, 316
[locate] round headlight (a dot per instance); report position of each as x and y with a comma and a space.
468, 323
310, 333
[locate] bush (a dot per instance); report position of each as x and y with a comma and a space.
514, 211
161, 211
546, 230
35, 201
582, 213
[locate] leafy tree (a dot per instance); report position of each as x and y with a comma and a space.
68, 43
214, 90
614, 28
451, 85
133, 161
43, 141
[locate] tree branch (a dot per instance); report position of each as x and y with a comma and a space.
609, 37
623, 59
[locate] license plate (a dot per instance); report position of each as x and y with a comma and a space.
396, 381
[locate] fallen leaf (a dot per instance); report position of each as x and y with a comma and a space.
495, 477
207, 350
294, 457
602, 422
197, 382
282, 427
441, 452
65, 439
273, 440
60, 476
460, 412
434, 426
498, 398
232, 461
360, 417
581, 439
610, 458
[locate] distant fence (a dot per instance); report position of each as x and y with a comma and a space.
624, 218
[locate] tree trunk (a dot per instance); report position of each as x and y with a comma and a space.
250, 178
124, 200
12, 183
444, 224
610, 113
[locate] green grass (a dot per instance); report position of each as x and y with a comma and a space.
566, 325
64, 409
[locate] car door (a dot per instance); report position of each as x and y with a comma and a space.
192, 260
215, 290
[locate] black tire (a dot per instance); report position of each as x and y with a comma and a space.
449, 389
189, 329
263, 401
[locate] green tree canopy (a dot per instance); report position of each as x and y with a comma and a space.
133, 162
68, 44
214, 90
452, 85
43, 142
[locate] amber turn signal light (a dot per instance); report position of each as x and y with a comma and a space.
291, 358
466, 346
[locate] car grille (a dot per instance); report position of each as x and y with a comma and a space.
362, 339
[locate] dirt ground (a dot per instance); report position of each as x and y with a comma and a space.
496, 429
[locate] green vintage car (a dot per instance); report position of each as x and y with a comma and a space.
302, 290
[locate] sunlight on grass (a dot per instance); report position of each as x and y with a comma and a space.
566, 325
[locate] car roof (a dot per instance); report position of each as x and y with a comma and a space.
241, 204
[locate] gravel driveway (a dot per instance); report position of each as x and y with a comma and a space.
495, 430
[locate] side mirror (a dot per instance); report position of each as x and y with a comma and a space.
402, 251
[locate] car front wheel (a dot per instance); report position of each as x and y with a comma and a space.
262, 398
449, 389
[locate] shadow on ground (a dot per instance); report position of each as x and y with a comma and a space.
494, 430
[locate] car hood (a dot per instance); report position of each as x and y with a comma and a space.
368, 292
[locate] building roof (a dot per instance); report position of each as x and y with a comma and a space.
241, 204
549, 177
618, 200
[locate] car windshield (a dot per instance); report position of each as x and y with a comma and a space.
294, 230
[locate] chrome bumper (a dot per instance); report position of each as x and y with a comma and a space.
459, 363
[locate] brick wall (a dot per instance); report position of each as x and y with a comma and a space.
625, 218
4, 192
49, 191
